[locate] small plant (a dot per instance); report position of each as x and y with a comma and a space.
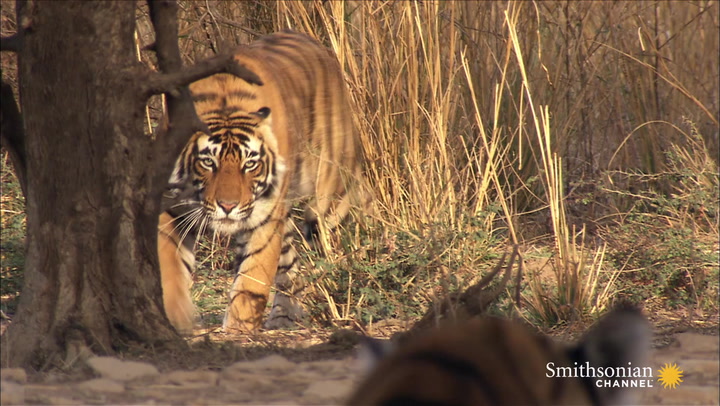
669, 240
575, 290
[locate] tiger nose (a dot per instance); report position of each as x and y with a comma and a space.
227, 206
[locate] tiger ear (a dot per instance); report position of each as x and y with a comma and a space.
619, 339
263, 113
372, 351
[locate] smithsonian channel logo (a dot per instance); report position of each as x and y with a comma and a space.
669, 376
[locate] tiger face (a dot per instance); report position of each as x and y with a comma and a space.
236, 171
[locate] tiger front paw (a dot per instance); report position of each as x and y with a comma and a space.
239, 326
244, 313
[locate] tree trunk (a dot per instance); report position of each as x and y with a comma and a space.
91, 267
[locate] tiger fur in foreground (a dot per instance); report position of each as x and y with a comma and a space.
492, 361
291, 139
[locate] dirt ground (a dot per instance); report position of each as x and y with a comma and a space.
309, 367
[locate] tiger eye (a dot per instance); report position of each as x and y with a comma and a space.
252, 166
207, 162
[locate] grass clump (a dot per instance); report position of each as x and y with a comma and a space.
382, 274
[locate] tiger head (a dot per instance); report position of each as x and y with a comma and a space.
234, 173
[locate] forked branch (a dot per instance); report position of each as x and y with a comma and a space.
170, 82
182, 120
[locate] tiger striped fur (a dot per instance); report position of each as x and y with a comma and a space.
290, 140
493, 361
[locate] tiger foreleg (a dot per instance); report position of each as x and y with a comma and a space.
257, 267
177, 261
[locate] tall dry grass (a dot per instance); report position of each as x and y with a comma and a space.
509, 112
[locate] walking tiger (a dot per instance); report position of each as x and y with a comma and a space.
291, 139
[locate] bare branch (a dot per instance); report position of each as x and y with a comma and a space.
12, 134
12, 43
182, 120
476, 298
163, 14
223, 63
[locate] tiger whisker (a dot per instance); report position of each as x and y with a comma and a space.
185, 225
189, 222
180, 204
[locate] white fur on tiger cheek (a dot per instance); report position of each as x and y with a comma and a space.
175, 175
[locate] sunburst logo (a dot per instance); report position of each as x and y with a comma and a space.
670, 376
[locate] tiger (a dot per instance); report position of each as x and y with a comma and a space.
496, 361
290, 140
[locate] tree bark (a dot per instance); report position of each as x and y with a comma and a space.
91, 264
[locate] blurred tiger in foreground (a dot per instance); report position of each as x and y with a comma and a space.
492, 361
291, 139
